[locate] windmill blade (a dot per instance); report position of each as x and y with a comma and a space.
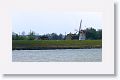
76, 30
80, 25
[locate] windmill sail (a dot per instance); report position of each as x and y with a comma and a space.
80, 26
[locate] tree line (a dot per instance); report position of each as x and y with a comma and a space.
90, 33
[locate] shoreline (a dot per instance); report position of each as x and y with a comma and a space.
54, 48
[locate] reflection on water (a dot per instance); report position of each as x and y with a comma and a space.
58, 55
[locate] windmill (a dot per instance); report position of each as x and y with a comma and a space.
81, 32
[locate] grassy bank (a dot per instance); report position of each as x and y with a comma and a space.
55, 44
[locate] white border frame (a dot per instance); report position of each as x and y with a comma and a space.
104, 67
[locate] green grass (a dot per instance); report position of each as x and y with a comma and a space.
55, 44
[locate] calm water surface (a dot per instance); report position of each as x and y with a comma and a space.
58, 55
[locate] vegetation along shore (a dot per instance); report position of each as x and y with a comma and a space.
55, 44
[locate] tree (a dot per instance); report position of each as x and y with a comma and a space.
99, 34
15, 37
31, 35
91, 33
23, 33
60, 37
54, 36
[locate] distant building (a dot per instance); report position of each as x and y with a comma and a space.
37, 37
71, 36
44, 38
14, 34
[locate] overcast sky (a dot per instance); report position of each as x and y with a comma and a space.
57, 22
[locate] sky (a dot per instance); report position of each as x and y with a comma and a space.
54, 22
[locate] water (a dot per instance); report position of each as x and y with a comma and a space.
58, 55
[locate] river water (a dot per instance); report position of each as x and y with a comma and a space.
58, 55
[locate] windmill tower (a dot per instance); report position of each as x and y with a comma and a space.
81, 32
